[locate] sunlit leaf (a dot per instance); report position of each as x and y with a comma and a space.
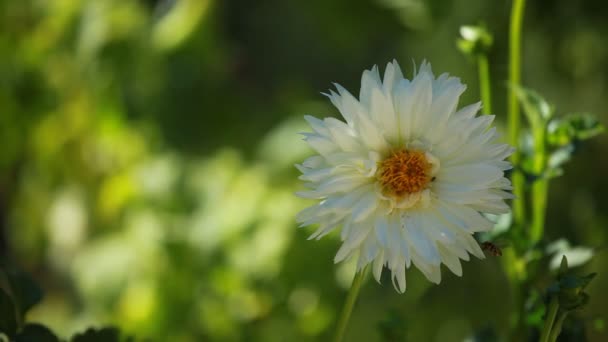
536, 108
560, 156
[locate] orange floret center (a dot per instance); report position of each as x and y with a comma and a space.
404, 172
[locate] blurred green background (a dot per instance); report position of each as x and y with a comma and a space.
147, 151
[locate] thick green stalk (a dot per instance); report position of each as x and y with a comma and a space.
540, 186
514, 266
517, 13
557, 326
351, 298
484, 84
551, 314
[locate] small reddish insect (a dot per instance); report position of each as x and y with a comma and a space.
491, 248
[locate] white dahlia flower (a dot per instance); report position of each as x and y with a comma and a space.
407, 176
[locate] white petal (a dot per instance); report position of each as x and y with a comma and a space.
370, 81
342, 135
420, 241
317, 125
364, 207
359, 232
378, 266
450, 260
381, 230
412, 101
322, 145
392, 75
350, 108
478, 176
399, 275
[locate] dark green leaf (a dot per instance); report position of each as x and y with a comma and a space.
563, 268
572, 281
106, 334
8, 316
579, 126
26, 292
392, 327
485, 334
36, 333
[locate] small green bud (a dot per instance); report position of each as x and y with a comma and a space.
476, 40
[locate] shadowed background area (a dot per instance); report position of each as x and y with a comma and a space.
147, 151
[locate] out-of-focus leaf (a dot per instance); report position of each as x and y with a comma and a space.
392, 327
599, 324
25, 291
107, 334
560, 156
556, 159
563, 267
36, 333
536, 316
486, 334
578, 126
569, 288
537, 109
8, 316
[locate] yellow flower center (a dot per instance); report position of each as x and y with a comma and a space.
404, 172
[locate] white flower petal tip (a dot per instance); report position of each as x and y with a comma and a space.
406, 177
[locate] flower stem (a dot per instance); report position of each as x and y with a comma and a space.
557, 326
540, 186
351, 298
517, 12
484, 83
551, 313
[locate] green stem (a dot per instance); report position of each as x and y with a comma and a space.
540, 186
515, 267
551, 313
351, 298
484, 83
557, 327
516, 271
517, 12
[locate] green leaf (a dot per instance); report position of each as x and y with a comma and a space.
560, 156
599, 325
573, 127
36, 333
8, 316
106, 334
537, 109
26, 292
485, 334
392, 327
563, 267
